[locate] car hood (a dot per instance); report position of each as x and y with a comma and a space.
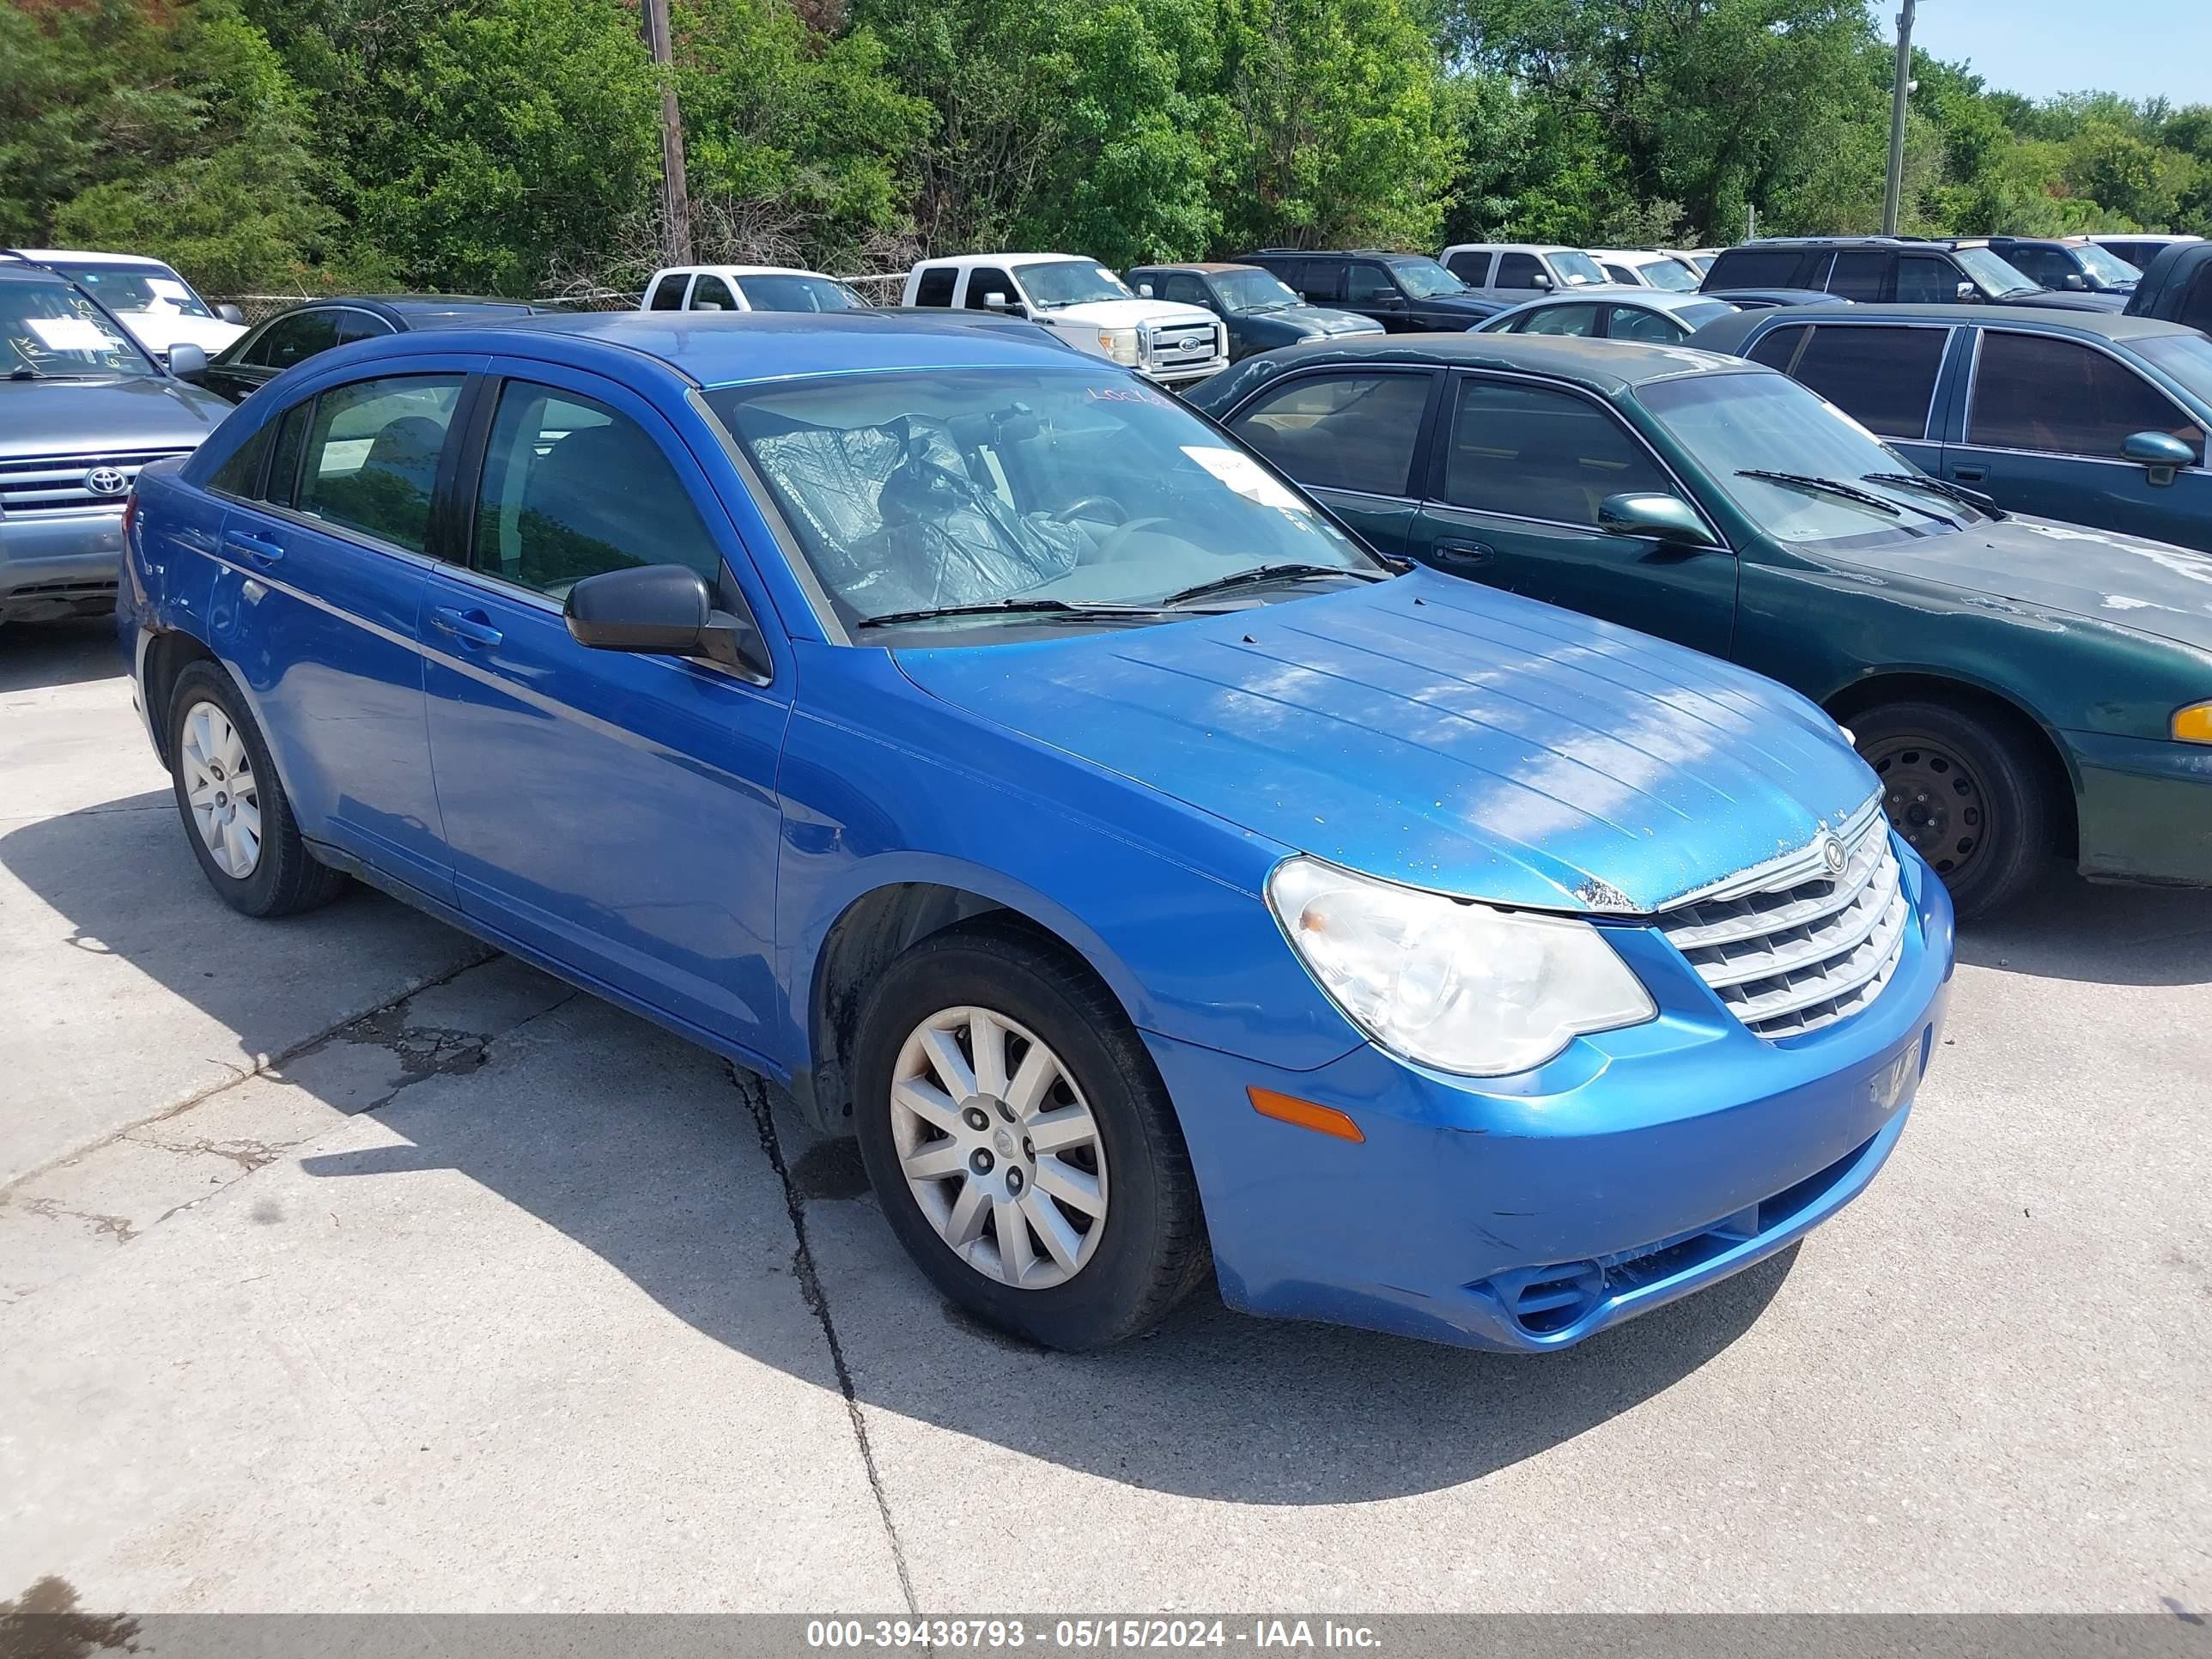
1448, 736
1319, 322
83, 417
158, 331
2068, 300
2152, 587
1125, 313
1472, 305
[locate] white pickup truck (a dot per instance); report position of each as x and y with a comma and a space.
1085, 305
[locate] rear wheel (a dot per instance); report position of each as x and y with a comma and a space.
1964, 793
1022, 1144
234, 810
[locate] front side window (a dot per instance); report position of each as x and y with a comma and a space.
916, 491
992, 289
1650, 327
154, 289
1182, 287
2035, 392
668, 292
295, 337
1519, 271
1367, 284
1066, 283
49, 331
1532, 452
372, 455
1925, 280
1622, 275
2048, 266
781, 292
1340, 431
571, 488
1858, 274
1883, 378
711, 292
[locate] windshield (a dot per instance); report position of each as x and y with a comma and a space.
138, 287
2186, 357
1576, 267
1993, 276
1253, 291
1733, 423
1670, 274
909, 491
1070, 282
2107, 268
1423, 278
799, 294
53, 332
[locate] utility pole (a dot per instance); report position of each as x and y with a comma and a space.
1896, 187
675, 196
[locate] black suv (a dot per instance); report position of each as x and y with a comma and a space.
1888, 269
1406, 293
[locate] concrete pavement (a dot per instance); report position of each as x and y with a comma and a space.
343, 1267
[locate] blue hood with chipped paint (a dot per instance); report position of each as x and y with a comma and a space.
1435, 733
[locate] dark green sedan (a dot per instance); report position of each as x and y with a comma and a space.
2020, 685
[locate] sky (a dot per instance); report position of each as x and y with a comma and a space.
2137, 48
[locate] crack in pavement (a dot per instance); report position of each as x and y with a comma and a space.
753, 1092
116, 1227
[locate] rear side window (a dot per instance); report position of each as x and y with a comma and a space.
292, 337
1324, 281
2035, 392
1650, 327
1858, 274
1518, 270
1882, 378
1778, 348
1922, 280
1623, 274
1342, 431
571, 488
1471, 267
2197, 309
1755, 267
983, 282
712, 293
1580, 321
935, 288
668, 292
353, 324
1535, 454
372, 455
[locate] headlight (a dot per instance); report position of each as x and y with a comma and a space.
1118, 343
2193, 724
1460, 986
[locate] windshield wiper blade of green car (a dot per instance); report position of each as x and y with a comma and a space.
1269, 573
1825, 486
1008, 608
1973, 498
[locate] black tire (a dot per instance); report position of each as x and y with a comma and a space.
1966, 792
285, 879
1154, 1249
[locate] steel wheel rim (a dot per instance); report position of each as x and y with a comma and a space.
998, 1148
1933, 800
221, 790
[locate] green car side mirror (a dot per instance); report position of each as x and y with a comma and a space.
2160, 452
1663, 518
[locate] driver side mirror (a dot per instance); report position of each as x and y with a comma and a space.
186, 361
2160, 452
1661, 518
1968, 294
998, 301
231, 313
2075, 281
663, 609
1540, 280
1144, 290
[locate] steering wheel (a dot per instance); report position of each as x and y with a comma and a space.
1112, 546
1073, 510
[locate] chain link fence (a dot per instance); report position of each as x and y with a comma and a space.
880, 288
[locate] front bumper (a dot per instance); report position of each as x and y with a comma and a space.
1527, 1213
2144, 813
60, 564
1183, 374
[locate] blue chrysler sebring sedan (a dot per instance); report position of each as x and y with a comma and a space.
987, 748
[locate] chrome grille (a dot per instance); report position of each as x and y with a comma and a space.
1790, 947
31, 486
1172, 343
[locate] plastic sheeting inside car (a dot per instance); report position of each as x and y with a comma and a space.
898, 523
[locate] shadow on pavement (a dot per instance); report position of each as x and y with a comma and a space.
2069, 928
35, 655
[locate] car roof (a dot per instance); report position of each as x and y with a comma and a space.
718, 349
1006, 261
92, 256
1208, 267
748, 270
2109, 324
1609, 367
414, 308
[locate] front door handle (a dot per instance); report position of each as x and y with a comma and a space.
255, 548
471, 628
1969, 474
1464, 553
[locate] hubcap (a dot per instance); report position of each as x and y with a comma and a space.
998, 1148
221, 790
1932, 800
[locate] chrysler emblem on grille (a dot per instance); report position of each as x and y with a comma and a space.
106, 481
1832, 855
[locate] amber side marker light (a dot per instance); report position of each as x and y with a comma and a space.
1289, 1109
2193, 724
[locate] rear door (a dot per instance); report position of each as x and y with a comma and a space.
1352, 437
332, 550
2045, 418
1520, 469
612, 811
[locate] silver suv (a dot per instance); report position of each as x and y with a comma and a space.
83, 407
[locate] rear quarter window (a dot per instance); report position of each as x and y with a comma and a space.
1755, 267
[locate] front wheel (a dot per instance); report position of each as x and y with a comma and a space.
1964, 793
1022, 1144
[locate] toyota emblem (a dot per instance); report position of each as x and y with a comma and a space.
107, 481
1832, 855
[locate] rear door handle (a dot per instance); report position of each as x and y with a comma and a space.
470, 628
253, 547
1465, 552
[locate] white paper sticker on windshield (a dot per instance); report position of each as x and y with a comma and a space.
168, 288
68, 334
1245, 476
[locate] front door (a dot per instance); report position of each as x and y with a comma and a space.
1351, 436
1515, 505
615, 812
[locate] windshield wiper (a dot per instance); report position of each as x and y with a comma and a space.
1007, 608
1268, 573
1825, 486
1973, 498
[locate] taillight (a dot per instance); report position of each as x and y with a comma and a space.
130, 513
